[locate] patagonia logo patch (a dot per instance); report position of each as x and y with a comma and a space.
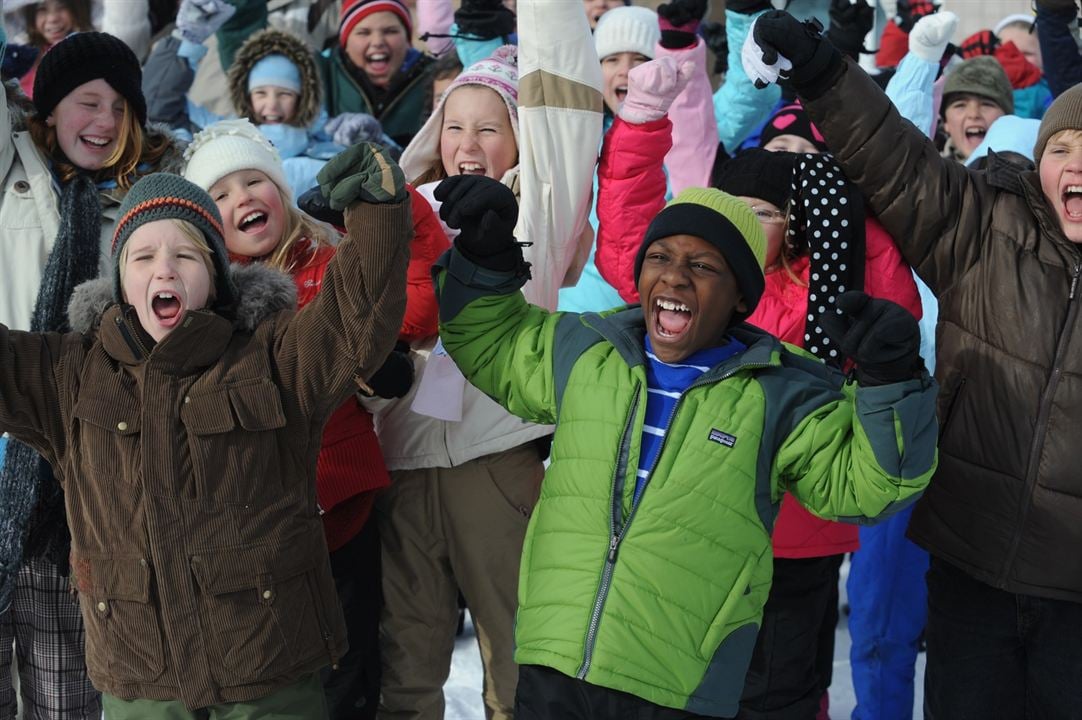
722, 438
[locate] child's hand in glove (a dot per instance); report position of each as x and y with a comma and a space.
881, 337
362, 173
197, 20
652, 87
485, 211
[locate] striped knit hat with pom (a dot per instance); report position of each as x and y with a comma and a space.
726, 223
353, 11
164, 196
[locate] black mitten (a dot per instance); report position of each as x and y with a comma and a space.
713, 34
395, 377
485, 19
881, 337
850, 23
485, 211
909, 11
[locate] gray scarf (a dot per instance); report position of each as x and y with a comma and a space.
31, 502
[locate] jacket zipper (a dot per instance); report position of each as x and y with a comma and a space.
133, 342
1042, 421
387, 108
617, 533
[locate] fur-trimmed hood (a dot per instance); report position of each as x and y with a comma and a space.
275, 42
261, 292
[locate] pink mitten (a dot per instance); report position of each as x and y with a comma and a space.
652, 87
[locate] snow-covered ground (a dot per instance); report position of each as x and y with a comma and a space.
463, 688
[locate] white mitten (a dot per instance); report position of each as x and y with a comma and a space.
931, 34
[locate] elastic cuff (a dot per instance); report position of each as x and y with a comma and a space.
676, 39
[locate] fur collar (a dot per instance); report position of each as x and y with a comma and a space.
272, 41
261, 292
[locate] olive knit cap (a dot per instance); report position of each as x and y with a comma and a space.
725, 222
164, 196
1065, 113
984, 76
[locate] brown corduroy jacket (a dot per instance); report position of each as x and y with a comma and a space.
1005, 504
189, 472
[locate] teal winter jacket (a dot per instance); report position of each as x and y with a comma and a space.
662, 597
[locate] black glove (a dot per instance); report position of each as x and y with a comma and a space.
362, 173
395, 377
1058, 5
485, 211
982, 42
748, 7
713, 34
850, 23
909, 11
18, 59
485, 19
880, 336
777, 32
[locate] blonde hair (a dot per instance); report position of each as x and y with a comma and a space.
191, 233
133, 147
299, 225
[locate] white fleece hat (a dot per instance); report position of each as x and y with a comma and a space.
228, 146
627, 29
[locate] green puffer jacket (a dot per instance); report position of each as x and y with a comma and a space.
663, 598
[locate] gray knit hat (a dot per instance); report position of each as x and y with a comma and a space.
984, 76
1063, 114
164, 196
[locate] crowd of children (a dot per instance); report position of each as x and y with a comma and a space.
320, 320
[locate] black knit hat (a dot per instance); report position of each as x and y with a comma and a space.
792, 120
759, 174
82, 57
164, 196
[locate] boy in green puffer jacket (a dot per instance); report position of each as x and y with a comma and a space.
678, 429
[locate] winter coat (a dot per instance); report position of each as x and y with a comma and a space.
782, 311
662, 596
271, 41
351, 468
188, 470
30, 211
1004, 502
401, 113
739, 106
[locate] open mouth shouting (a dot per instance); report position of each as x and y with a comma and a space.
471, 168
671, 319
379, 63
1072, 202
253, 222
167, 307
621, 93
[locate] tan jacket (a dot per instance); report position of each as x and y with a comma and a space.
189, 472
1005, 504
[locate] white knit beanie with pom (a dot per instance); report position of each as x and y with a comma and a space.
228, 146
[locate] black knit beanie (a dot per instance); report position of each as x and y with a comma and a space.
82, 57
164, 196
792, 120
759, 174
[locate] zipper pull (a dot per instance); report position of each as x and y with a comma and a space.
1074, 282
613, 543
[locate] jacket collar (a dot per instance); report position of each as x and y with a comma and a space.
201, 338
625, 329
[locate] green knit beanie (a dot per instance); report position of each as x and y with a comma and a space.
1063, 114
983, 76
723, 221
164, 196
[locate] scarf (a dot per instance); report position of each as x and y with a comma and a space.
32, 521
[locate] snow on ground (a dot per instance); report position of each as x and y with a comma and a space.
463, 688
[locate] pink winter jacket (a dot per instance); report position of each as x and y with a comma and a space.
631, 191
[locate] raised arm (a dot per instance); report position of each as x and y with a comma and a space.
344, 334
738, 107
559, 131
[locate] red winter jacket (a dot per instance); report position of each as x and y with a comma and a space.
350, 468
631, 191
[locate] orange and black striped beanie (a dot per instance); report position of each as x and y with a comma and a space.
165, 196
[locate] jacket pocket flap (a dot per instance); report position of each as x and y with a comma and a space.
126, 578
258, 406
208, 413
113, 414
255, 568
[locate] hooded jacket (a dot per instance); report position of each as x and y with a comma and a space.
189, 469
275, 42
1006, 502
